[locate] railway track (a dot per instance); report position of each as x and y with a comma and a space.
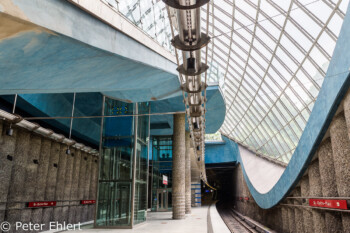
238, 223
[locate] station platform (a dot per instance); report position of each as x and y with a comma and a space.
202, 220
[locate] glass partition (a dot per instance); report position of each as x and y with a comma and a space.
141, 164
161, 165
122, 192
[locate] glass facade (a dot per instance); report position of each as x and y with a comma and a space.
123, 173
141, 171
162, 155
269, 58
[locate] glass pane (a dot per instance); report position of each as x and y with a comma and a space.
115, 178
141, 172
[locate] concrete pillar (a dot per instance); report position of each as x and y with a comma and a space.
346, 216
327, 172
240, 191
178, 195
60, 184
291, 217
93, 186
41, 176
85, 214
74, 193
15, 196
245, 193
299, 222
68, 186
31, 175
329, 185
316, 191
7, 150
81, 188
188, 173
285, 223
341, 150
51, 182
307, 214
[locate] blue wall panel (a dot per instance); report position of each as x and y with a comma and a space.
221, 152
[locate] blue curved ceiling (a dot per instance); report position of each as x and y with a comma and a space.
46, 63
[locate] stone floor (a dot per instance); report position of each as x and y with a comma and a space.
158, 222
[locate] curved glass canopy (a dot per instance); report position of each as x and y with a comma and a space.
269, 57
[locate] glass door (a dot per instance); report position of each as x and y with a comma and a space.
162, 200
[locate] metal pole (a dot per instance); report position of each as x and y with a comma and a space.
9, 131
71, 123
149, 139
99, 161
71, 120
14, 104
111, 116
134, 166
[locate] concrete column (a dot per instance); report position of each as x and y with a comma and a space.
299, 222
245, 193
68, 186
307, 214
188, 172
316, 191
51, 182
291, 217
346, 216
41, 177
179, 156
74, 193
327, 172
15, 196
341, 150
329, 185
60, 184
240, 191
285, 223
85, 214
31, 175
7, 150
81, 188
93, 186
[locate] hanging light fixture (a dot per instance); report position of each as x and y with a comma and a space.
190, 41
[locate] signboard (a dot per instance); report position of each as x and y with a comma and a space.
326, 203
41, 204
87, 202
165, 180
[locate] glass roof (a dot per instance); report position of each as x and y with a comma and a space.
269, 57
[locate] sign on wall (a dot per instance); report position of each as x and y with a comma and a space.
38, 204
87, 202
165, 180
326, 203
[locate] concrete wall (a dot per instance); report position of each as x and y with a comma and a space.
35, 168
327, 176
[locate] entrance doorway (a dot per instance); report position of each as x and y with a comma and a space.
162, 200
